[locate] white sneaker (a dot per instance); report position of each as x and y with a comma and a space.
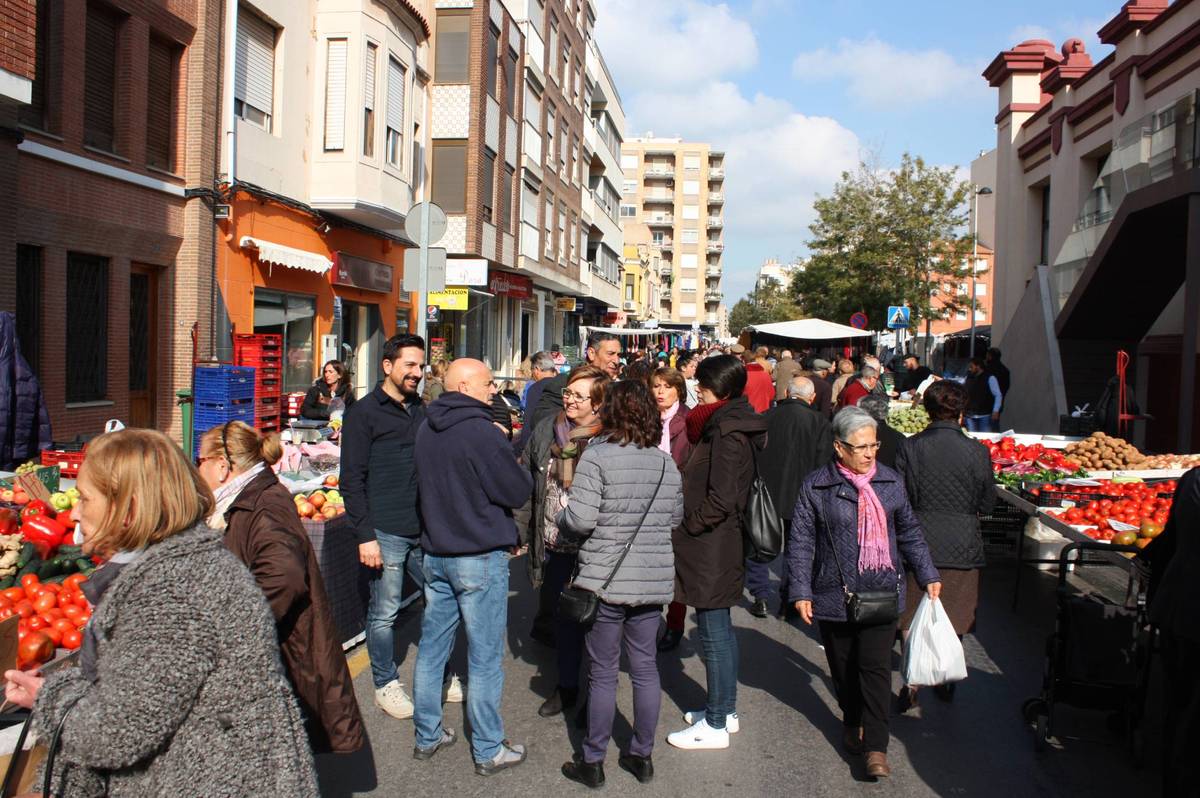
699, 736
731, 721
452, 690
392, 699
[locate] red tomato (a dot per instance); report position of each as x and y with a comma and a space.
29, 579
46, 601
24, 608
63, 624
34, 649
37, 622
14, 594
7, 613
73, 581
54, 634
72, 639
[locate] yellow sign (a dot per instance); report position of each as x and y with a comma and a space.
565, 303
450, 299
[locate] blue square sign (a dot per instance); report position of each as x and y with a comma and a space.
898, 317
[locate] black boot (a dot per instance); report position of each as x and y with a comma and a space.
642, 767
562, 698
670, 640
586, 774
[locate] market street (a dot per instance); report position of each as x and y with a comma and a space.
788, 744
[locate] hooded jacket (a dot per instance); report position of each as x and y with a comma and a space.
24, 419
468, 480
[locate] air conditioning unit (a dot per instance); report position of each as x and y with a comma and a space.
630, 305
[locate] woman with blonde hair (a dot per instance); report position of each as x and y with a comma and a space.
179, 688
434, 385
263, 529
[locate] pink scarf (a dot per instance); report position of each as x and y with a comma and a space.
874, 550
665, 443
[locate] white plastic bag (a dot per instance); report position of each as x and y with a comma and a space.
934, 654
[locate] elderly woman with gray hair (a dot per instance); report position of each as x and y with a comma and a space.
853, 533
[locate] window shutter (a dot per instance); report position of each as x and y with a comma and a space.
160, 101
99, 104
335, 95
395, 104
369, 80
254, 70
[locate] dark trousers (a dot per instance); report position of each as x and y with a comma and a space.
676, 613
1181, 734
568, 634
860, 662
637, 628
758, 579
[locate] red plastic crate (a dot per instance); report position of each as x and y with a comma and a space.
68, 462
262, 339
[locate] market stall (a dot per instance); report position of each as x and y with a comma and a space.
826, 337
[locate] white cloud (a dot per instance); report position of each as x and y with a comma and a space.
881, 75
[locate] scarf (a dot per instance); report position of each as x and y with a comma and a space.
670, 413
698, 416
94, 589
874, 551
227, 494
568, 446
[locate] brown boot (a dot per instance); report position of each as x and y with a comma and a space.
852, 739
877, 765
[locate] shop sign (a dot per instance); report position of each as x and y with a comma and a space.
466, 271
433, 314
510, 285
566, 304
614, 318
356, 272
450, 299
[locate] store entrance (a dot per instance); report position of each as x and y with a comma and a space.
361, 337
143, 345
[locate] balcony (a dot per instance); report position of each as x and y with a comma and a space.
666, 245
661, 220
713, 295
659, 172
659, 199
712, 319
715, 222
716, 198
715, 246
716, 173
713, 270
665, 270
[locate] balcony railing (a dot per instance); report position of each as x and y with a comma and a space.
712, 318
659, 199
666, 245
715, 246
717, 173
713, 270
715, 222
660, 171
661, 220
713, 296
716, 198
665, 270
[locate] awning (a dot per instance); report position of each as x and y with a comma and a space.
584, 331
269, 252
810, 330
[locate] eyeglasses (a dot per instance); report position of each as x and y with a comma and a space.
862, 447
570, 397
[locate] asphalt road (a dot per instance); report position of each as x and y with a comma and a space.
788, 744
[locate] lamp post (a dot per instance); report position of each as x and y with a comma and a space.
975, 195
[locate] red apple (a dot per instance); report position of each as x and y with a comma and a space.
306, 509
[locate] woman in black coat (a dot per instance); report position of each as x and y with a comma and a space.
333, 384
949, 481
725, 433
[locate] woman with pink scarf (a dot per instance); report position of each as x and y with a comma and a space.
853, 535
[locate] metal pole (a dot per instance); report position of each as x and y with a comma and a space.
974, 258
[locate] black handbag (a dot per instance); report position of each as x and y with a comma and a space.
579, 604
867, 607
762, 528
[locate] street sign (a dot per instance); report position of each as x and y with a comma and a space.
859, 321
433, 314
436, 279
414, 224
898, 317
424, 267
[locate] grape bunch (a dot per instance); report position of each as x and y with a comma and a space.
908, 419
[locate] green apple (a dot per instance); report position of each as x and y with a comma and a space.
60, 501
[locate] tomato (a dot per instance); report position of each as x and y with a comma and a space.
29, 579
53, 614
34, 649
72, 613
63, 624
72, 639
81, 601
73, 581
52, 587
24, 608
37, 622
14, 594
46, 601
54, 634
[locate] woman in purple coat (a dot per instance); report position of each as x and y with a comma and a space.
853, 531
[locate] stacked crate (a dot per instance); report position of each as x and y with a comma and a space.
222, 394
263, 353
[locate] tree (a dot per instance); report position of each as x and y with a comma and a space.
769, 302
884, 238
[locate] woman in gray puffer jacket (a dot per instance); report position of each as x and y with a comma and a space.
626, 497
179, 689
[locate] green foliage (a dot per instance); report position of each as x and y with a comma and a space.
881, 239
773, 302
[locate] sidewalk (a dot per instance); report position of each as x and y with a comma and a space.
788, 745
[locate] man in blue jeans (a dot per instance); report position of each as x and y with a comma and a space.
470, 483
379, 482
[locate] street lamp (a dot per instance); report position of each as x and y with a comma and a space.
975, 195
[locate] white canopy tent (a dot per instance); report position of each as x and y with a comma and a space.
585, 331
810, 330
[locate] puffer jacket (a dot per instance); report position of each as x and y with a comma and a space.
190, 696
612, 488
949, 481
24, 419
826, 515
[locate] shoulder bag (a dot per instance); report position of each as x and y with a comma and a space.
580, 604
762, 528
867, 607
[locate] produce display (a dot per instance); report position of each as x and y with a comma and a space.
1014, 463
1163, 461
321, 504
1135, 515
1100, 451
40, 542
908, 419
52, 615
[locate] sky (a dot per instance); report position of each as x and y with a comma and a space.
796, 91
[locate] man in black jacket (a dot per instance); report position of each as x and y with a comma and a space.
379, 483
799, 441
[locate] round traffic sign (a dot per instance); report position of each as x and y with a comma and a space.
859, 321
415, 223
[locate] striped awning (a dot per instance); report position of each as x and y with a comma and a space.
292, 258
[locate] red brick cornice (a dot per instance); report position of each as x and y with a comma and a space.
1133, 16
1034, 144
1033, 56
1019, 108
1075, 64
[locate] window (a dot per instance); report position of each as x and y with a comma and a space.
628, 211
487, 186
564, 69
549, 222
46, 61
506, 194
395, 111
100, 78
450, 175
691, 211
690, 236
979, 314
578, 82
961, 315
533, 107
491, 61
563, 134
629, 187
691, 163
289, 315
29, 302
629, 161
658, 238
1044, 252
629, 288
687, 284
980, 289
87, 330
336, 53
691, 188
687, 310
160, 104
562, 232
372, 57
453, 46
688, 261
510, 83
254, 70
573, 155
552, 46
550, 136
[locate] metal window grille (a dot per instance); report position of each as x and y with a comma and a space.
87, 327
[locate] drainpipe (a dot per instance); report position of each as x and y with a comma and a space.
220, 315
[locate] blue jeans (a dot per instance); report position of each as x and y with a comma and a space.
477, 588
387, 595
719, 650
980, 424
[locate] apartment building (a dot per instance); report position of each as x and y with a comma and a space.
642, 279
676, 188
774, 272
107, 251
324, 123
1097, 228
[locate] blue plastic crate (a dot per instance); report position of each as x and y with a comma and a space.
223, 383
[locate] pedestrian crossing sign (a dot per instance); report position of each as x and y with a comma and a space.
898, 317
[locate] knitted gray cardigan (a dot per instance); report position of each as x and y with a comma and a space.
190, 697
612, 488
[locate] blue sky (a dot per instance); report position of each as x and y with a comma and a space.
796, 90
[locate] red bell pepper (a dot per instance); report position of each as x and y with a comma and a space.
64, 517
43, 529
9, 521
36, 507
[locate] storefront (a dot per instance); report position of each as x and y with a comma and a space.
331, 290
